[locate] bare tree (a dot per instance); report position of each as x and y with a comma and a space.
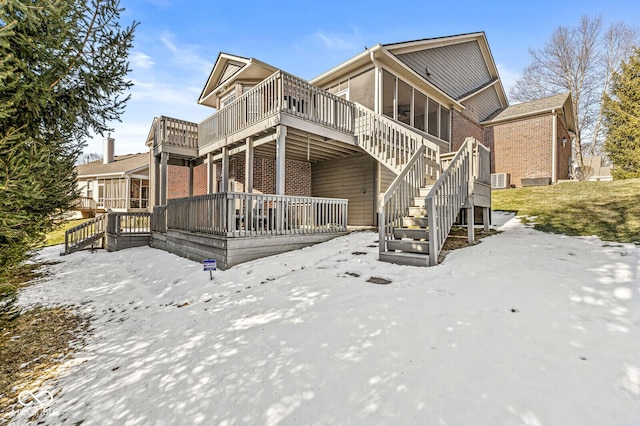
580, 60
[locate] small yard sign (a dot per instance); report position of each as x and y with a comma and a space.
209, 265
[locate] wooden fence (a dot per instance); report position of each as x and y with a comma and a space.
237, 214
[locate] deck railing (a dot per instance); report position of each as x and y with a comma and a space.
86, 203
279, 93
392, 143
448, 195
175, 132
128, 223
482, 164
237, 214
159, 219
394, 204
85, 234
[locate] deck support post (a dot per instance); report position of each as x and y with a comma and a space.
470, 225
225, 169
212, 178
164, 177
190, 178
248, 166
281, 135
486, 214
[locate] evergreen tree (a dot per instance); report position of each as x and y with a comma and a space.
622, 120
63, 68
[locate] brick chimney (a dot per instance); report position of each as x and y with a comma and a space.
107, 155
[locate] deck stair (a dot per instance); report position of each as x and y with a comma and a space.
416, 214
410, 243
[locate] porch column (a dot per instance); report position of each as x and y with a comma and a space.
154, 181
127, 193
248, 166
190, 178
470, 225
225, 169
164, 178
281, 135
212, 177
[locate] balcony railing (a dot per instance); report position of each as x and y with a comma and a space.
280, 93
174, 132
236, 214
86, 203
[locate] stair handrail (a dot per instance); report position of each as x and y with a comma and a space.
394, 204
446, 198
84, 234
393, 143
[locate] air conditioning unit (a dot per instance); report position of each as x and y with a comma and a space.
500, 180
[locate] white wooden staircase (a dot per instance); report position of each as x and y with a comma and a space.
410, 243
417, 211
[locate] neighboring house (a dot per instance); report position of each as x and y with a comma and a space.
531, 142
598, 169
116, 183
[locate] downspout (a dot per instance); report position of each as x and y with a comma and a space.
378, 171
554, 145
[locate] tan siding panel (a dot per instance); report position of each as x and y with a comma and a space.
483, 104
457, 69
350, 177
386, 178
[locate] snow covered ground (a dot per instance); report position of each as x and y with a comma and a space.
525, 328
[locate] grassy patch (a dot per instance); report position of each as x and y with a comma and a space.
57, 235
610, 210
33, 344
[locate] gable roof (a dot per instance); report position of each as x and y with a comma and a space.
560, 102
121, 165
459, 67
228, 68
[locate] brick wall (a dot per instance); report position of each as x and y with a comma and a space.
522, 148
178, 177
178, 182
462, 128
264, 176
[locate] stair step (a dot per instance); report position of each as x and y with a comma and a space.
411, 259
412, 233
408, 246
425, 191
419, 201
421, 222
417, 211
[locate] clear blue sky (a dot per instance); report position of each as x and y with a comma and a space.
178, 41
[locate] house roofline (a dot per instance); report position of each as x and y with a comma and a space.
248, 62
379, 51
566, 109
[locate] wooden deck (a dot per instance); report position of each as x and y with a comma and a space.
235, 227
